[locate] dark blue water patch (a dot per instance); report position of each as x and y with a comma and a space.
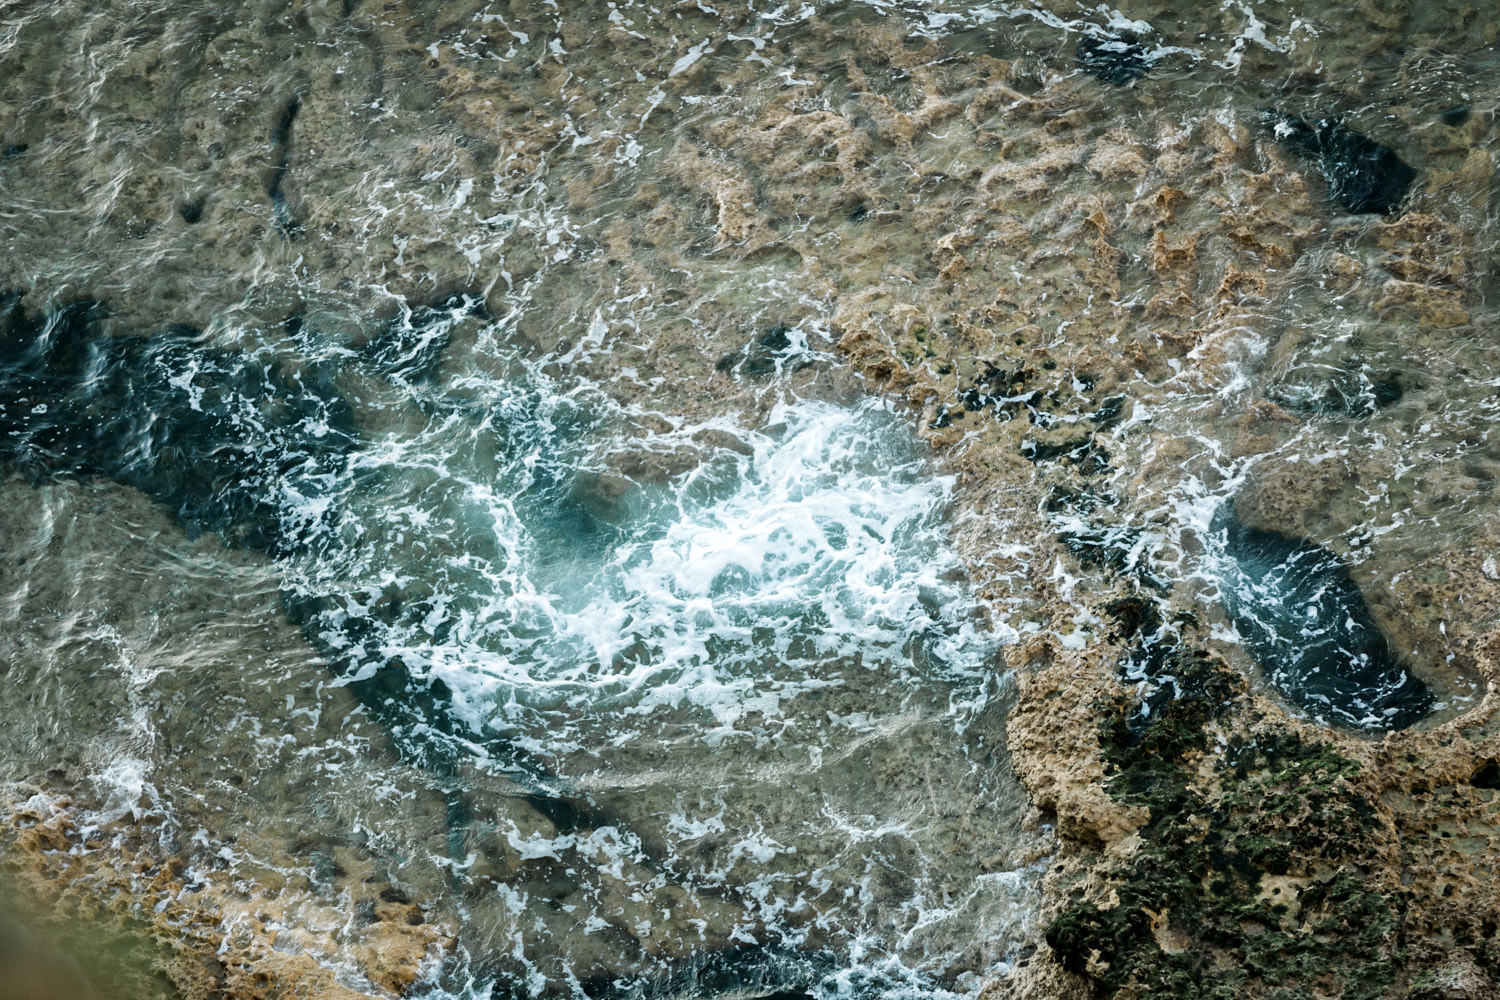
1341, 393
217, 451
1118, 58
238, 445
744, 972
1307, 625
1363, 176
410, 346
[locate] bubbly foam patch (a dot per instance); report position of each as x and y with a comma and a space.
739, 659
814, 540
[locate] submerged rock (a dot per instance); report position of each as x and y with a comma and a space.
1363, 176
1340, 393
1117, 59
1306, 623
781, 348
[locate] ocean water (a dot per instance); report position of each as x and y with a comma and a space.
578, 470
695, 696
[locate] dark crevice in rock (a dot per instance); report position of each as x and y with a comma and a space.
281, 157
945, 416
1455, 116
1487, 776
1088, 457
1363, 176
1109, 412
1306, 623
192, 210
1172, 672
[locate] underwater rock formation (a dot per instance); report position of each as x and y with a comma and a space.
1307, 624
1363, 176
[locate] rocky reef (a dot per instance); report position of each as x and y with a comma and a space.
1111, 308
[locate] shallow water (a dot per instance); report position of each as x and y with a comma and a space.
445, 454
699, 697
46, 958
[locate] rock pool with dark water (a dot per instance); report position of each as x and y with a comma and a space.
1308, 625
877, 499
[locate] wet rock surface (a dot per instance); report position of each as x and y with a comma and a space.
1103, 310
